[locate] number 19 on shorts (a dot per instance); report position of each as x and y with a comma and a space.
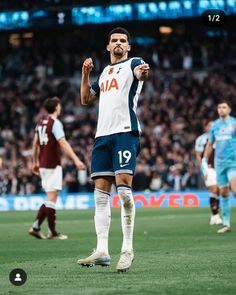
124, 157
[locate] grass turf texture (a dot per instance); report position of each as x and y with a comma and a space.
176, 252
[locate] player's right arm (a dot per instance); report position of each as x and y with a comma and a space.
35, 151
85, 89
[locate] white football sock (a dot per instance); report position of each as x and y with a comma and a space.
127, 216
102, 219
36, 224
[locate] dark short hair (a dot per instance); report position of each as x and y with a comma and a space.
119, 30
51, 103
227, 101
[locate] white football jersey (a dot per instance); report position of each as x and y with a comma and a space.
118, 91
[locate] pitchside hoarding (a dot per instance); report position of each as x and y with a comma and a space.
85, 200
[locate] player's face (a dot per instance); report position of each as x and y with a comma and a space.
118, 45
223, 110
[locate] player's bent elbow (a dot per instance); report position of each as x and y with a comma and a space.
88, 101
83, 103
85, 100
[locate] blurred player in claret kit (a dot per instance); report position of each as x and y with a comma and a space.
210, 179
49, 139
223, 135
117, 142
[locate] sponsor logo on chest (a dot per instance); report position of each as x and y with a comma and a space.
109, 85
225, 133
110, 80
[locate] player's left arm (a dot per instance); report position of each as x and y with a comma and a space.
66, 147
59, 134
35, 154
141, 72
140, 69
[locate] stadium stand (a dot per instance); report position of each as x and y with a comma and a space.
179, 96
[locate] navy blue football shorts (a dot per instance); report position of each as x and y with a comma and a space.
115, 154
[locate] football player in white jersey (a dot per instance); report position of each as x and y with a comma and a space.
210, 179
116, 144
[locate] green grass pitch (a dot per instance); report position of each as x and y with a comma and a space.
176, 252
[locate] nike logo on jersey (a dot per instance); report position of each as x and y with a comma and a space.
123, 165
119, 70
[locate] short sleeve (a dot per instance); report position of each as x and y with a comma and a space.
136, 62
199, 147
95, 89
58, 130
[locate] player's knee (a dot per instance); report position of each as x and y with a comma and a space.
224, 193
125, 195
214, 189
101, 198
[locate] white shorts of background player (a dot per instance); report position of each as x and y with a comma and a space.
211, 177
51, 179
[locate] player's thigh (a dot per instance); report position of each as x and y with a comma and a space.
222, 178
126, 147
52, 196
232, 179
51, 179
101, 164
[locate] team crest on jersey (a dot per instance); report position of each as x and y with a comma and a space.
230, 128
111, 71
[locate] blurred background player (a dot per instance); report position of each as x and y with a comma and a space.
210, 179
117, 142
223, 135
48, 140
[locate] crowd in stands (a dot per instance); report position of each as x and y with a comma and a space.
173, 108
56, 57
